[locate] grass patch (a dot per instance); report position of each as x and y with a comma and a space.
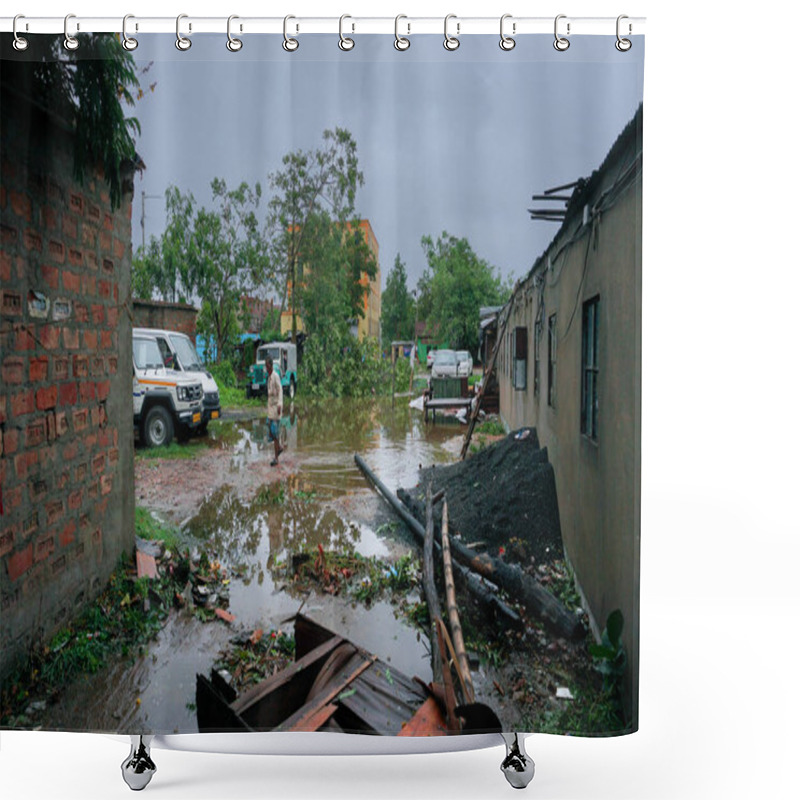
491, 427
127, 614
235, 397
190, 449
148, 527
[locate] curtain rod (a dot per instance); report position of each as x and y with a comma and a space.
406, 26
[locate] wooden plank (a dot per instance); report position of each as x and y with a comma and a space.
284, 677
428, 721
145, 565
300, 718
316, 720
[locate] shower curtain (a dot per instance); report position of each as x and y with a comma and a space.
427, 256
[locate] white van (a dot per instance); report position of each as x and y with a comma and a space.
179, 355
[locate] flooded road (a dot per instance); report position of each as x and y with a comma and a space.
253, 518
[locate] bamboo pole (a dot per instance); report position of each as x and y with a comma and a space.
452, 608
429, 587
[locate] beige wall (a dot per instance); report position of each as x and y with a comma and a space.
598, 481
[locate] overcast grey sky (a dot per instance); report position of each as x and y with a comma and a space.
455, 141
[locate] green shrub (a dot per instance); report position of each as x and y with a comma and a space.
223, 373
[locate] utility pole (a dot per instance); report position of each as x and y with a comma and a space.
146, 196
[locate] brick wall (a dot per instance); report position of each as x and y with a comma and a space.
66, 428
179, 317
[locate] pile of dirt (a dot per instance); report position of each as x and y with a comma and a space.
504, 496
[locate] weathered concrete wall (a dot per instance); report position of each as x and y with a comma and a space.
597, 477
66, 429
179, 317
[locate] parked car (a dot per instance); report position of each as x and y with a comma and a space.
444, 364
165, 403
181, 357
284, 360
464, 362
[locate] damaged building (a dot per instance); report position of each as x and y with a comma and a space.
569, 365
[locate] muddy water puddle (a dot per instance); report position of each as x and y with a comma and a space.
254, 518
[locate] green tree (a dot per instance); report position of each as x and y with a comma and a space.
215, 255
455, 284
397, 305
314, 191
88, 88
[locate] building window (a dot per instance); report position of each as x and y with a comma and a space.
551, 360
521, 358
590, 367
537, 338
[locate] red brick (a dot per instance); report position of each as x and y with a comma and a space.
12, 498
35, 433
71, 281
37, 489
21, 205
61, 367
80, 419
72, 339
51, 218
75, 499
89, 285
56, 251
105, 246
46, 397
23, 462
112, 365
108, 222
91, 260
80, 367
107, 340
22, 403
38, 369
105, 484
90, 340
2, 408
98, 464
98, 365
51, 426
70, 226
44, 548
5, 267
59, 565
20, 563
13, 370
55, 510
70, 451
103, 388
94, 212
62, 426
50, 336
81, 312
10, 441
87, 391
7, 541
89, 236
105, 289
68, 394
75, 257
76, 203
24, 340
98, 314
10, 303
113, 316
33, 240
8, 234
67, 536
104, 438
119, 249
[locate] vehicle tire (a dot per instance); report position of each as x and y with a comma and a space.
158, 429
292, 388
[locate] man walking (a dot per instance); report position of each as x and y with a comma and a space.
274, 409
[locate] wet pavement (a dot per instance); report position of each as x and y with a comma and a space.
230, 503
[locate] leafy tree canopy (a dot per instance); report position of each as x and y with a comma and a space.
397, 306
454, 286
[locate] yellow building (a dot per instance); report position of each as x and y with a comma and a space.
370, 323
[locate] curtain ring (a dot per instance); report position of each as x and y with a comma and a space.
450, 42
400, 42
181, 42
233, 44
289, 44
623, 45
561, 43
345, 43
70, 42
506, 42
20, 42
128, 42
